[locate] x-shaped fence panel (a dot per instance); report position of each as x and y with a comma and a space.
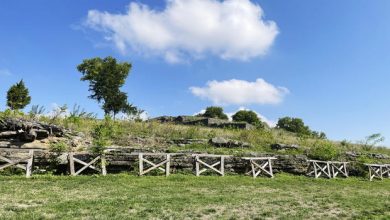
377, 170
339, 168
319, 168
163, 165
25, 163
260, 165
386, 170
72, 160
220, 163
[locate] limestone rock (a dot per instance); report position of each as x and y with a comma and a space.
222, 142
284, 147
42, 134
29, 136
8, 134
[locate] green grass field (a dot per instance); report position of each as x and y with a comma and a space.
189, 197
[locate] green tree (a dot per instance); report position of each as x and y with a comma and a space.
106, 77
246, 116
295, 125
18, 96
214, 112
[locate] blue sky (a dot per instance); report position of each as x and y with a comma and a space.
328, 63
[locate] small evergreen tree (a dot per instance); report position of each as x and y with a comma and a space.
214, 112
18, 96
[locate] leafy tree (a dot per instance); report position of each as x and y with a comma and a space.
106, 77
246, 116
295, 125
18, 96
214, 112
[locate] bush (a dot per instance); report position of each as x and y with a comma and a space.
214, 112
58, 147
294, 125
103, 133
324, 151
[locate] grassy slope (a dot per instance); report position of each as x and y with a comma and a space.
127, 132
260, 140
189, 197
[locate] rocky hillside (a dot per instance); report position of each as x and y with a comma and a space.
172, 136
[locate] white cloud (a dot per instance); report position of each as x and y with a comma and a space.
240, 92
199, 112
5, 72
229, 29
143, 116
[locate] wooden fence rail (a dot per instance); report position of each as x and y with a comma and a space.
142, 160
25, 163
215, 163
199, 162
260, 165
72, 160
378, 171
328, 169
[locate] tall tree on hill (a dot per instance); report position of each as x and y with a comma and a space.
18, 96
106, 77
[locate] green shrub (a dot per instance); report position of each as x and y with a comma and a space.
214, 112
58, 147
323, 150
103, 133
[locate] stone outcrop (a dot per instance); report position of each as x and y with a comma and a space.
354, 155
284, 147
222, 142
183, 142
27, 131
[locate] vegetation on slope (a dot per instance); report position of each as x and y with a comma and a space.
127, 133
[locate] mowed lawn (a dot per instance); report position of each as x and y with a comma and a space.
189, 197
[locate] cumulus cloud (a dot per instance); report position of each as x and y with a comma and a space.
240, 92
229, 29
